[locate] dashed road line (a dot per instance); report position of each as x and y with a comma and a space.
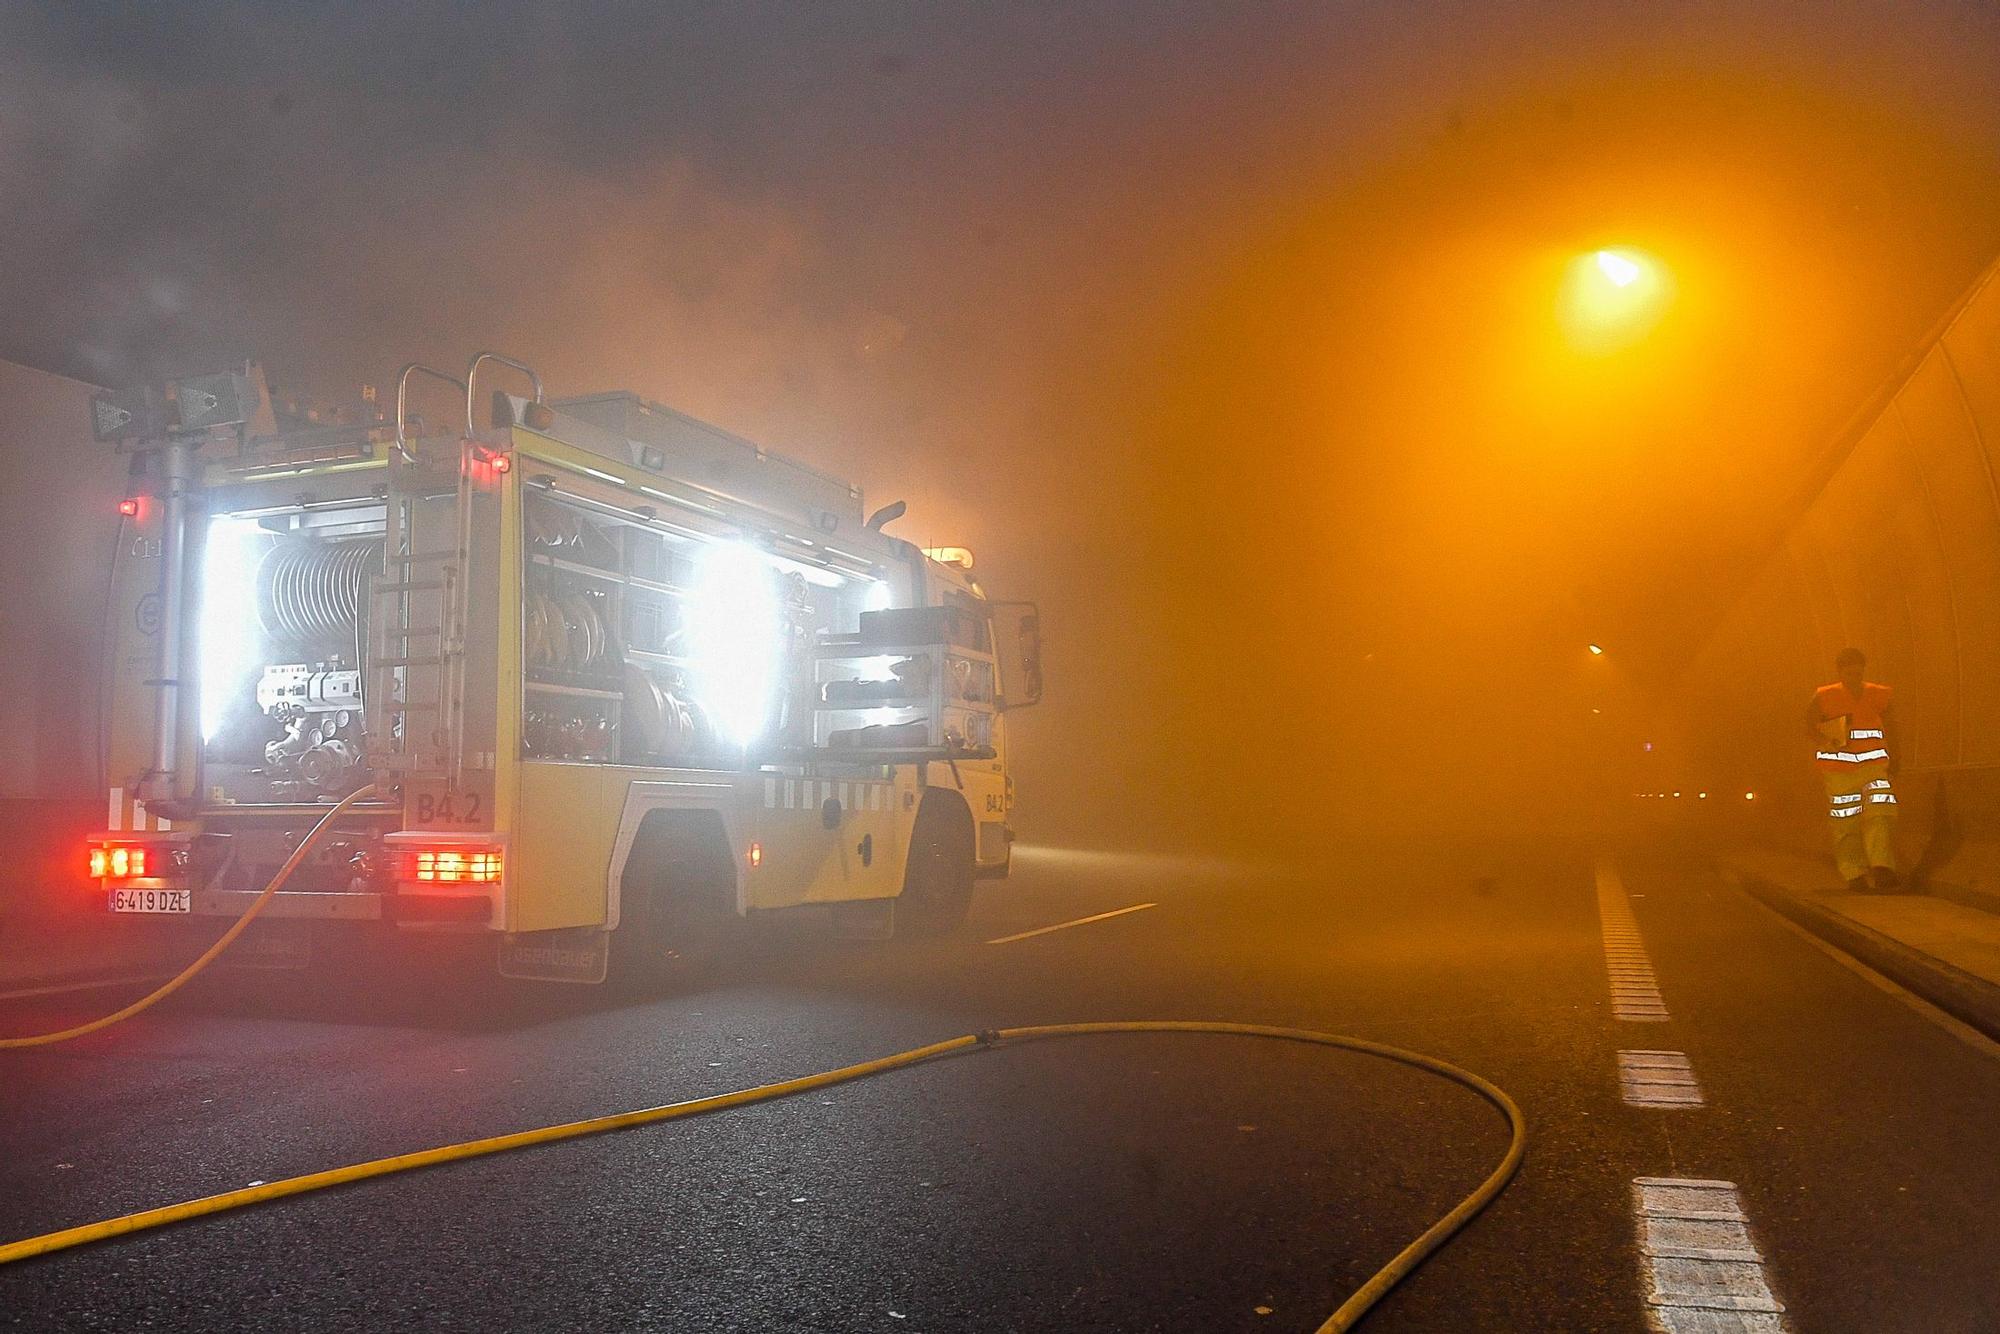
1657, 1079
1635, 992
1081, 921
1703, 1272
89, 984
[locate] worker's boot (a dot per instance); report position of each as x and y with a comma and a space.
1886, 878
1859, 884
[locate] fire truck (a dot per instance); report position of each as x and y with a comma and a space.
619, 680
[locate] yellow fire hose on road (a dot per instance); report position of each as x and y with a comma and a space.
1350, 1310
181, 979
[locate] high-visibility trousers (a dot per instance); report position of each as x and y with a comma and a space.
1861, 802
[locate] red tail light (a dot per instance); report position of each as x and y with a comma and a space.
469, 865
117, 863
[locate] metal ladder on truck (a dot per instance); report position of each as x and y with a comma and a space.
417, 609
415, 681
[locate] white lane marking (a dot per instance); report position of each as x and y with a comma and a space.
1635, 992
1081, 921
1702, 1269
64, 988
1657, 1079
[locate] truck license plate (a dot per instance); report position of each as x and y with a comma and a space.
152, 900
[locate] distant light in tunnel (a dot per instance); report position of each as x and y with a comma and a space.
1749, 796
1677, 795
1702, 796
1596, 651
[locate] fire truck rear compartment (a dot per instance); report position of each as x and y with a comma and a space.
283, 609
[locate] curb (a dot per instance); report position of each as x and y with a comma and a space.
1983, 899
1953, 990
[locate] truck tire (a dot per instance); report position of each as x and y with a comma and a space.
937, 883
676, 920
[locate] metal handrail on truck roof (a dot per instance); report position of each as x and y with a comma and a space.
402, 391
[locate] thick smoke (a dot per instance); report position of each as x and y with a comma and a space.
1225, 333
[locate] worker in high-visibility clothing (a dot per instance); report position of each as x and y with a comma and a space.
1853, 726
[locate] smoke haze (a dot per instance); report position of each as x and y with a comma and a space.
1226, 332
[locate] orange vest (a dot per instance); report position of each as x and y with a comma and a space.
1864, 743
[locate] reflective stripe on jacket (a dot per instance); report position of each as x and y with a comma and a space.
1866, 723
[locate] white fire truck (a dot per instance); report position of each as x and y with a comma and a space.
620, 679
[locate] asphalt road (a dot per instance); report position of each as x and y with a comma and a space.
1123, 1183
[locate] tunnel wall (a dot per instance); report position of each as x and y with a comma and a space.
1898, 555
59, 515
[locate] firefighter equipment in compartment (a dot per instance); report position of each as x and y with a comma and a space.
310, 604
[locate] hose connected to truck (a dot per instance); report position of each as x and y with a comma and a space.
1350, 1311
186, 975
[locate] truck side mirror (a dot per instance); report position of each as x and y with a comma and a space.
1017, 646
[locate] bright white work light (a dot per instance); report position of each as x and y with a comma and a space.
227, 637
737, 637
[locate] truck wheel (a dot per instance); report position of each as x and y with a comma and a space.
937, 884
675, 921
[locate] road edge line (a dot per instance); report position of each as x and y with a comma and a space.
40, 990
1081, 921
1928, 1009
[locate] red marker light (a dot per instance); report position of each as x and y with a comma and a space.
117, 863
484, 456
454, 866
129, 507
